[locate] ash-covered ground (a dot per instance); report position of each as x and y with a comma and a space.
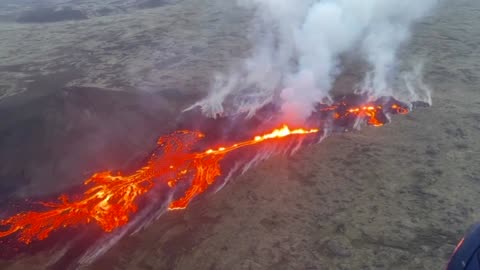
88, 86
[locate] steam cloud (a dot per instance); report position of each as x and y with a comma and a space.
299, 50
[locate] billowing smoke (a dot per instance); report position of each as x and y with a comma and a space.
299, 52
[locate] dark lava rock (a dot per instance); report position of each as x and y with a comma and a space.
339, 247
153, 3
48, 15
55, 140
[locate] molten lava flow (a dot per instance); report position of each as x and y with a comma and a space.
111, 198
373, 114
399, 109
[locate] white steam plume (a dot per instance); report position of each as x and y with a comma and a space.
298, 51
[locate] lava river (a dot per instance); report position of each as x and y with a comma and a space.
111, 198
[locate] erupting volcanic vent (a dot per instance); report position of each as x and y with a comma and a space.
111, 198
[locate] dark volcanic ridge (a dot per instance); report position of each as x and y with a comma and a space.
48, 15
48, 11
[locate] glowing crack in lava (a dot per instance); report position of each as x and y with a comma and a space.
111, 198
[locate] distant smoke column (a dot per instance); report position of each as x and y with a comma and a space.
298, 49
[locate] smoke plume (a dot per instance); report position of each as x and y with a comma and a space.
299, 47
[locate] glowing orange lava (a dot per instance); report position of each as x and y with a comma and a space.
111, 198
371, 112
